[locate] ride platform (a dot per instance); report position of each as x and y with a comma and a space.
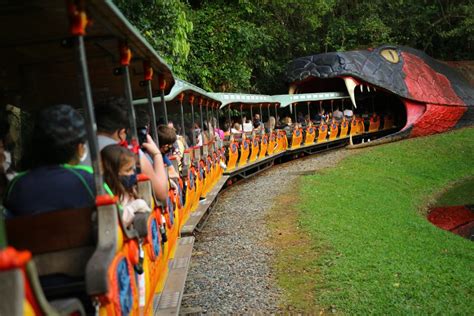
254, 167
205, 205
168, 302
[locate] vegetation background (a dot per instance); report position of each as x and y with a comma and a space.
245, 45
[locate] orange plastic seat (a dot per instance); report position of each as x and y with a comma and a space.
297, 138
263, 146
310, 135
255, 149
233, 155
334, 130
388, 122
360, 126
354, 127
322, 133
272, 143
244, 152
374, 123
344, 128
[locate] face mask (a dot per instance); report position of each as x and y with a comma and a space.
84, 155
129, 181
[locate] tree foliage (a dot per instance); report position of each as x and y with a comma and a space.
165, 25
245, 45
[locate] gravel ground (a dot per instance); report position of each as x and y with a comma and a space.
231, 265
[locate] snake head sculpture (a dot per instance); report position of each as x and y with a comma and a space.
429, 96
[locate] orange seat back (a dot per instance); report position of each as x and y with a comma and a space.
354, 127
310, 135
263, 146
322, 133
255, 149
297, 138
344, 128
374, 123
334, 130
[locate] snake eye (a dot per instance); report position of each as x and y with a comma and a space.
390, 55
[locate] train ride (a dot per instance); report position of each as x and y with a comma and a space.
87, 260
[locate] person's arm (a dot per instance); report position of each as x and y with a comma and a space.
155, 172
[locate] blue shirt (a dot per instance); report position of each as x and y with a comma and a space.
50, 188
166, 160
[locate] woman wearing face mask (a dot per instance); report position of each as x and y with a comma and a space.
53, 181
119, 173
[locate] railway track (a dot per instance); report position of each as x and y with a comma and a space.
231, 270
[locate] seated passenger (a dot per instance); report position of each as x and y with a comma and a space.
112, 125
337, 114
300, 118
257, 123
286, 124
179, 145
270, 124
236, 129
247, 125
54, 182
348, 113
219, 133
166, 139
119, 173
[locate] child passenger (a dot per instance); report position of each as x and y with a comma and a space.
119, 173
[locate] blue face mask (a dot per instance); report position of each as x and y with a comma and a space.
129, 181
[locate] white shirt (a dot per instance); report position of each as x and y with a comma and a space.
348, 113
248, 127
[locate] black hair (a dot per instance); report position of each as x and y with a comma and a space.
57, 132
111, 117
142, 116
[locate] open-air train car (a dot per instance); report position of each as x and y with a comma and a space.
253, 148
251, 151
194, 114
83, 53
78, 53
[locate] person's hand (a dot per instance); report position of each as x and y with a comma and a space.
150, 146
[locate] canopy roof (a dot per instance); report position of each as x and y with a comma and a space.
38, 58
287, 99
283, 100
229, 98
181, 86
245, 100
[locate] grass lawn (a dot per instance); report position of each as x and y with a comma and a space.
377, 253
461, 193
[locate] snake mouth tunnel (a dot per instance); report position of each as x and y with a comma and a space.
365, 99
425, 96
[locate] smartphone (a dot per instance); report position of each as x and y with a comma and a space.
142, 133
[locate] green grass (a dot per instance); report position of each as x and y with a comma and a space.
378, 253
461, 193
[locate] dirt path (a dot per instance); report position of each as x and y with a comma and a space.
231, 269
